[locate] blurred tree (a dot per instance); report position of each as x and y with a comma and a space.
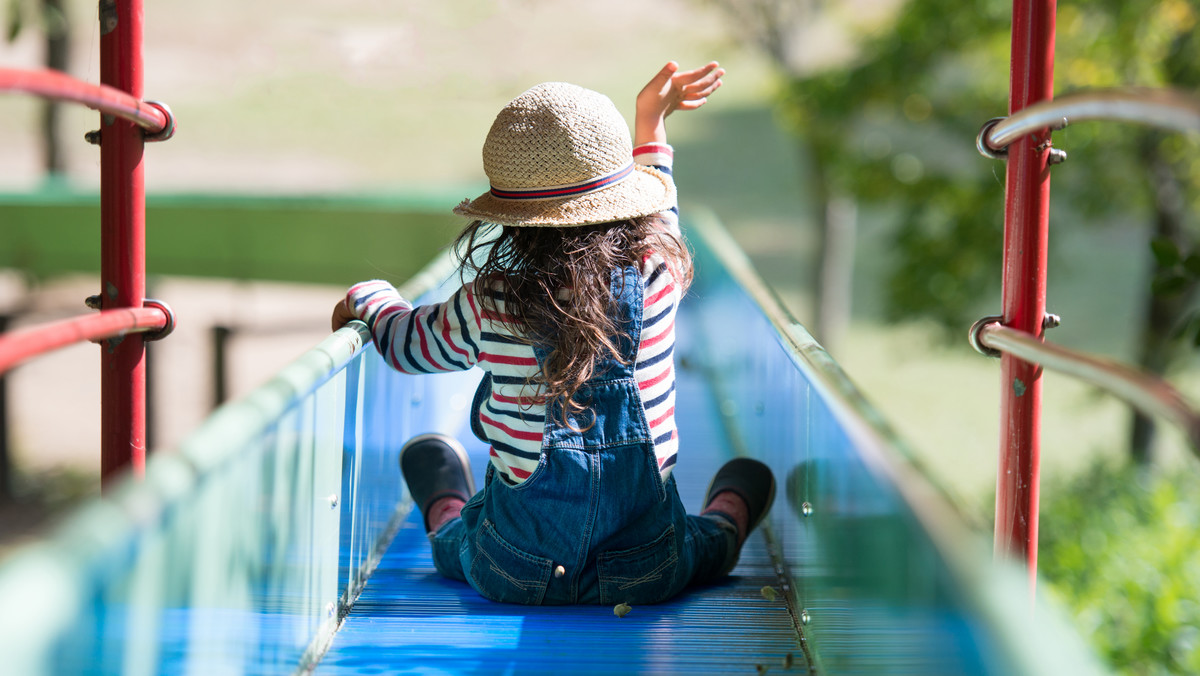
51, 17
1119, 546
893, 125
53, 21
779, 28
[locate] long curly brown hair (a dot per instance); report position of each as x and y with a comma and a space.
533, 266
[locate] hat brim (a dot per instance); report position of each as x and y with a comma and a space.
644, 192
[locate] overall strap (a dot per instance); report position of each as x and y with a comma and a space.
614, 414
628, 290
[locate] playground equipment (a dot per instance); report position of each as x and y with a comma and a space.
126, 315
279, 539
1023, 140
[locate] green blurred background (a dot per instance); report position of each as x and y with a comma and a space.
324, 143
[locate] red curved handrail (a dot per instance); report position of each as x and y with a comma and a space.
62, 87
22, 344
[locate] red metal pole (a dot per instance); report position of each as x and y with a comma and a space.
1026, 224
122, 244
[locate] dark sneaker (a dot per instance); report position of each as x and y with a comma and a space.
750, 480
435, 466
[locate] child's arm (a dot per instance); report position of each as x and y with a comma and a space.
669, 91
430, 338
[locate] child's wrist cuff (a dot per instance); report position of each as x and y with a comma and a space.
659, 154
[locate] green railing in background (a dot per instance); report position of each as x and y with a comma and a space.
309, 239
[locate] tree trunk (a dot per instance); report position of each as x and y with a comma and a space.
1157, 345
1154, 355
837, 270
816, 274
58, 56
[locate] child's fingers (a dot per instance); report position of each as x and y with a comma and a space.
702, 83
690, 76
341, 315
702, 89
702, 70
663, 76
684, 90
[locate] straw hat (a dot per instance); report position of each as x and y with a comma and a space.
560, 155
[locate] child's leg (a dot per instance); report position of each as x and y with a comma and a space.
438, 475
712, 545
731, 506
443, 510
445, 545
436, 468
737, 500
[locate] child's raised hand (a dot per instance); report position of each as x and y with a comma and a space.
672, 90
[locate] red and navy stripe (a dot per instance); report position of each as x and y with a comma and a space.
564, 191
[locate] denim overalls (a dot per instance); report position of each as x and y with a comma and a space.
595, 522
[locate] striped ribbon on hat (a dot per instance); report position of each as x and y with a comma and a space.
561, 191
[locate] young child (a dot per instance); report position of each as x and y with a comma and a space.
577, 267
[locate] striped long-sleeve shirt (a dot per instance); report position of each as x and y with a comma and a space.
458, 333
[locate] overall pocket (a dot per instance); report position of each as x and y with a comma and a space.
501, 572
645, 574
